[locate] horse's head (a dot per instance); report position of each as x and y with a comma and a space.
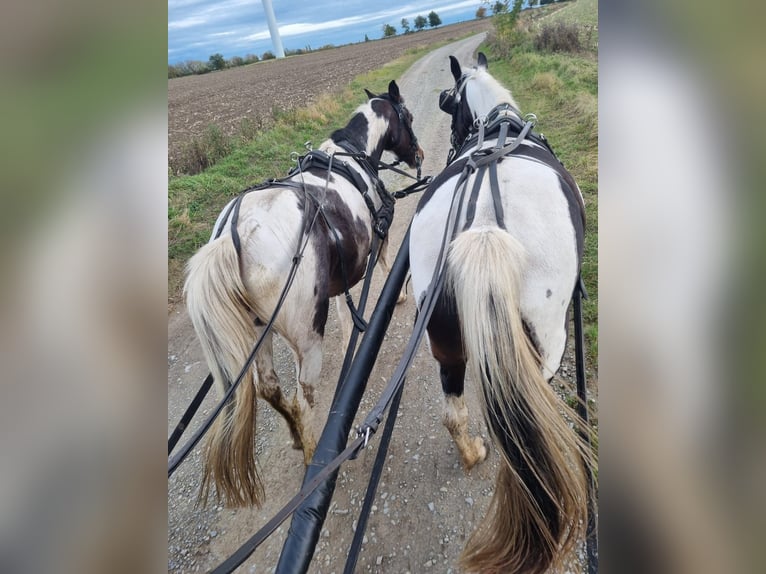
474, 94
399, 137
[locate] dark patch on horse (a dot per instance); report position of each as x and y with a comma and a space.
452, 378
532, 334
445, 334
548, 293
354, 241
259, 323
576, 214
321, 308
316, 290
356, 132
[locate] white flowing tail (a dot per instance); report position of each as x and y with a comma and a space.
539, 508
221, 313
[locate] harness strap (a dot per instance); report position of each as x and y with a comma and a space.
470, 211
496, 199
234, 220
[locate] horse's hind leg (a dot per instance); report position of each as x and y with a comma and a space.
268, 389
447, 349
472, 449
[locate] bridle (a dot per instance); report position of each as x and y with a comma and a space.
405, 121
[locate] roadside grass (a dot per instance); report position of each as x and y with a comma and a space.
255, 155
561, 89
580, 13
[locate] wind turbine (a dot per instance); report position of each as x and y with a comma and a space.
273, 29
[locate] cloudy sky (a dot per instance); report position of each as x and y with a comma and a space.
199, 28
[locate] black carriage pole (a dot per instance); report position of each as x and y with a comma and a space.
298, 549
582, 410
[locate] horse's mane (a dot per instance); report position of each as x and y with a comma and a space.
484, 92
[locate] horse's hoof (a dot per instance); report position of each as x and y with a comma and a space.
402, 298
481, 450
479, 454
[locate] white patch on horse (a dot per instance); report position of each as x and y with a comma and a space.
376, 126
484, 92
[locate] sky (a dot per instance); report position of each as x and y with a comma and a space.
199, 28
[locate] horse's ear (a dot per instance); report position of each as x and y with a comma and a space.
455, 67
482, 60
393, 91
370, 95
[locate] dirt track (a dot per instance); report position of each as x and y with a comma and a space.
225, 98
426, 506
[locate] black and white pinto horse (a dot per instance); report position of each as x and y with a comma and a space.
512, 263
233, 282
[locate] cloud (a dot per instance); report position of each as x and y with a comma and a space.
189, 22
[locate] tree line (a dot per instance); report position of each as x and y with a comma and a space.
218, 62
433, 20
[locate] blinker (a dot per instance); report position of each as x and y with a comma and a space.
447, 101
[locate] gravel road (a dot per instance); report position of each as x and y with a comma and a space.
426, 505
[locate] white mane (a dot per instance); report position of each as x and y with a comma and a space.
484, 92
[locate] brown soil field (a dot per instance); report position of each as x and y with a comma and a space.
255, 91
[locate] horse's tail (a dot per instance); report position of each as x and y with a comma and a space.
220, 311
539, 507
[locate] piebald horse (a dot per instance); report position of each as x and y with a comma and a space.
511, 266
232, 290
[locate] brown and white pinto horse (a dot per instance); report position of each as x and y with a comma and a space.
511, 268
232, 294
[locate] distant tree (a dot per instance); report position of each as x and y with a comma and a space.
406, 25
235, 61
268, 55
499, 7
217, 62
481, 12
366, 39
433, 19
197, 67
388, 31
250, 58
420, 22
